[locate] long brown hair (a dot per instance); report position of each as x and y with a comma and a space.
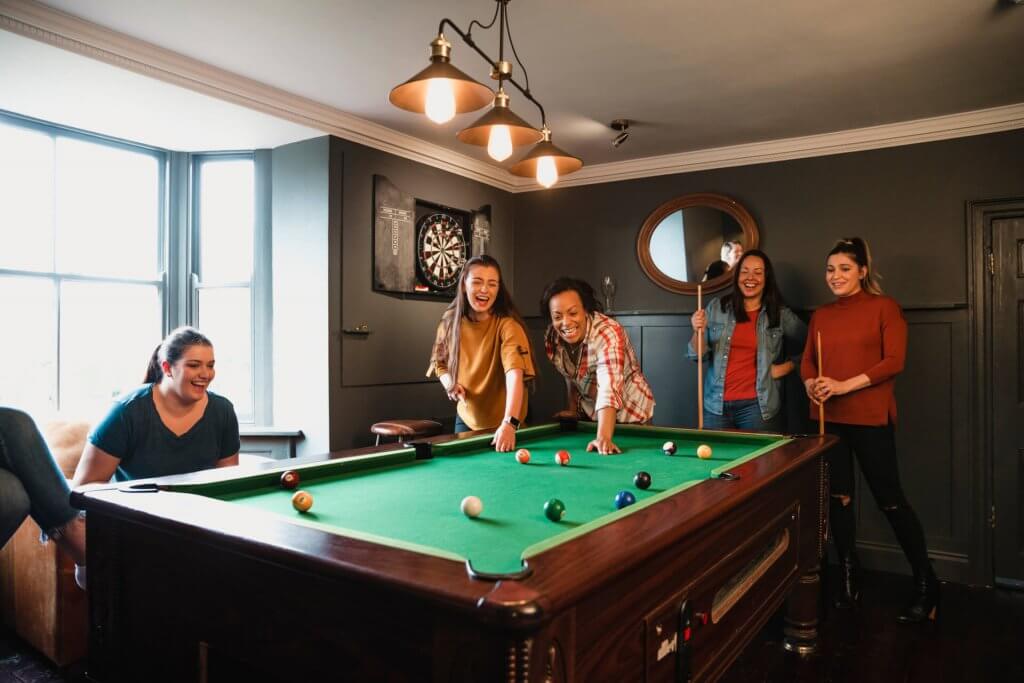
446, 346
771, 297
857, 249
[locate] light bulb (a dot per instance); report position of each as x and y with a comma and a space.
440, 100
547, 172
499, 144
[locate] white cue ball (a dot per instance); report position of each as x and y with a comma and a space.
472, 506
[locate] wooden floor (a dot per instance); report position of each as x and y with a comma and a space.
979, 639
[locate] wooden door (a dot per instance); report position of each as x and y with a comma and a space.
1007, 319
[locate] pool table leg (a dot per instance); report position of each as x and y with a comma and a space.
801, 625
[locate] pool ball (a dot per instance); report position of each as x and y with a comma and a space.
562, 458
623, 499
554, 510
302, 501
523, 456
669, 448
642, 480
704, 451
472, 506
289, 479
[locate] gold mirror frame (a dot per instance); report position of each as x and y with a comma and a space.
715, 201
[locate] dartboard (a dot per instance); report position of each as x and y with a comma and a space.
440, 249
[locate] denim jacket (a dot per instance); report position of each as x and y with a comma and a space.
772, 345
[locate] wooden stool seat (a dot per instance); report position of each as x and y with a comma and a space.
406, 429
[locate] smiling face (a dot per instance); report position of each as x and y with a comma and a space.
481, 285
843, 275
190, 376
751, 278
568, 316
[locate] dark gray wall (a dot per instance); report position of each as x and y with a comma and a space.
381, 375
908, 202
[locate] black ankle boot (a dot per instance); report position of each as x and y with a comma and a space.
925, 602
849, 582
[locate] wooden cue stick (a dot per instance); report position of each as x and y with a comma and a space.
700, 366
821, 404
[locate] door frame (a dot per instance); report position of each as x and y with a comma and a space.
981, 536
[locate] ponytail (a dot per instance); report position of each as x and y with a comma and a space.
859, 251
153, 371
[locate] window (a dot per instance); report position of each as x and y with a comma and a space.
81, 286
97, 264
224, 231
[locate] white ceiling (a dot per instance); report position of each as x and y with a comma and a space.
694, 74
54, 85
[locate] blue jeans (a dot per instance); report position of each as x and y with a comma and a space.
30, 481
745, 414
461, 426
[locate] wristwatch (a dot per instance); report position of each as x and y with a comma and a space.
513, 420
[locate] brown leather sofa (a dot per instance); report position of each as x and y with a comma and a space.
38, 596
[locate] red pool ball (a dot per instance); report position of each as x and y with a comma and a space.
289, 479
562, 457
523, 456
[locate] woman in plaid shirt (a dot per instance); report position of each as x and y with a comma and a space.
593, 353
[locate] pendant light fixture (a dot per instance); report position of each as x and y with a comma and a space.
442, 91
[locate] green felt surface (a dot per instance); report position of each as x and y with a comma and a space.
399, 501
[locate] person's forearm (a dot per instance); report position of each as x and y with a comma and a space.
856, 383
447, 381
513, 393
606, 423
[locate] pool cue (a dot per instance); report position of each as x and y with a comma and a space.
700, 367
821, 404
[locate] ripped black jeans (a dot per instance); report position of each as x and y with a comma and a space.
875, 450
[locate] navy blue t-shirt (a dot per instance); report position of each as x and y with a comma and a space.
134, 433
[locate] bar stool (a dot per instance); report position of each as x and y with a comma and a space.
406, 429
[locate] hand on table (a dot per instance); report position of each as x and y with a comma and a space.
603, 446
504, 439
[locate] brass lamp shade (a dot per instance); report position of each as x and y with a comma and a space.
565, 163
469, 94
480, 132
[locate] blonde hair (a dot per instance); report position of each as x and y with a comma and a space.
859, 251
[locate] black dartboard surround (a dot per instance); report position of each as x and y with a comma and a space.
440, 249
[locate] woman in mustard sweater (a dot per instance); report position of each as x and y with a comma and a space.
482, 355
864, 342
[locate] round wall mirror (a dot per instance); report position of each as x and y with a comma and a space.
694, 240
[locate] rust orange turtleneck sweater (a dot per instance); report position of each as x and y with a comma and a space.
862, 334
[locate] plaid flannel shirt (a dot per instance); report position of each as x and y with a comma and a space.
608, 374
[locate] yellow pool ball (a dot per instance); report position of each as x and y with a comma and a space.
302, 501
704, 451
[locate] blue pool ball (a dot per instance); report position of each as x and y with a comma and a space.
624, 498
642, 480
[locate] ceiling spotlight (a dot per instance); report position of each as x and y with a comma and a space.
622, 126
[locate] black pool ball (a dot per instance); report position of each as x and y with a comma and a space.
669, 448
642, 480
289, 479
624, 499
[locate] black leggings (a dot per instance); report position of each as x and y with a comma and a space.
875, 449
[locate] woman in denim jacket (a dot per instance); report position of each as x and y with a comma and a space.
747, 333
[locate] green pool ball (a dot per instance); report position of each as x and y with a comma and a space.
554, 510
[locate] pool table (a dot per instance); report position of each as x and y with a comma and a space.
215, 576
